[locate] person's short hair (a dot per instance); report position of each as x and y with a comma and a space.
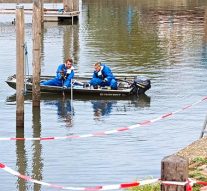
69, 60
97, 63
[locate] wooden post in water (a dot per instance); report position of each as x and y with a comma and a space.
36, 37
75, 5
174, 168
42, 14
20, 66
205, 26
68, 5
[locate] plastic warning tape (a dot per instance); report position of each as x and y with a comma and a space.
189, 183
104, 133
93, 188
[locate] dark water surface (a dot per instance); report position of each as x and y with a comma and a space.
165, 41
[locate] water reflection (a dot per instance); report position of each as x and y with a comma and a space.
71, 42
69, 47
102, 108
37, 161
204, 44
162, 40
21, 153
21, 162
65, 110
142, 101
138, 102
129, 19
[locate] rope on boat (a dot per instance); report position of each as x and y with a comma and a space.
113, 131
188, 183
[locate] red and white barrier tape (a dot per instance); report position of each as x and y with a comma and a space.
189, 183
104, 133
95, 188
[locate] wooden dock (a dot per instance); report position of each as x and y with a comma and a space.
55, 17
50, 15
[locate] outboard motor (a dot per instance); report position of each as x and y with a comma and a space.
140, 85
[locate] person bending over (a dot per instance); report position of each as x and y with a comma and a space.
103, 76
64, 75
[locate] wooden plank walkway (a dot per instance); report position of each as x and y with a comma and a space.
50, 15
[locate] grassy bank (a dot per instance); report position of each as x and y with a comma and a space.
197, 171
196, 153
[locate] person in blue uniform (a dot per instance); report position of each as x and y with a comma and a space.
64, 75
103, 76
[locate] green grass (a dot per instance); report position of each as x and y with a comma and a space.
195, 173
156, 187
149, 187
200, 160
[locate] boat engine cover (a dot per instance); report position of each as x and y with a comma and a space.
141, 85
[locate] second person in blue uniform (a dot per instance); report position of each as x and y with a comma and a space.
103, 76
64, 75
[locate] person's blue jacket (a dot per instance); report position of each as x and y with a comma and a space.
63, 77
104, 73
104, 78
65, 74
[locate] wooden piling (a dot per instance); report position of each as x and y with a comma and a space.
174, 168
76, 5
68, 5
42, 14
205, 26
71, 5
20, 66
36, 64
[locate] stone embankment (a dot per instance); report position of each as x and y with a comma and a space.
194, 150
196, 153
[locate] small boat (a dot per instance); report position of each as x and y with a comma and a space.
127, 86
